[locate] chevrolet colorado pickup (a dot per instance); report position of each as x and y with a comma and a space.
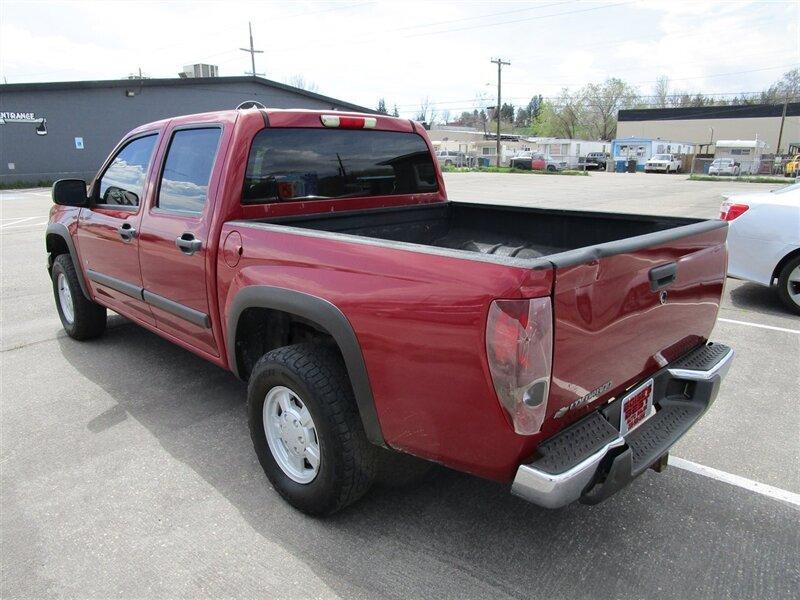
317, 257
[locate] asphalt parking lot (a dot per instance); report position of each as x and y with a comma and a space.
126, 468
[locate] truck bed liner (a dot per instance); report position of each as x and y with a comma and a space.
505, 232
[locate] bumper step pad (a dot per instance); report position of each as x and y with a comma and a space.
568, 448
590, 460
704, 358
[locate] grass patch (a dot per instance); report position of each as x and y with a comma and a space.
452, 169
743, 178
19, 185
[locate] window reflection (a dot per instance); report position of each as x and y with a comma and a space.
123, 181
309, 164
187, 170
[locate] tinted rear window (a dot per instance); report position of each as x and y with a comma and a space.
288, 165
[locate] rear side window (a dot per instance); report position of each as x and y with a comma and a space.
288, 165
123, 182
187, 169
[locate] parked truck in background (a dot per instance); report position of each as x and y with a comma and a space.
317, 257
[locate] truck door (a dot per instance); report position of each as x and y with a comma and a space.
108, 231
173, 246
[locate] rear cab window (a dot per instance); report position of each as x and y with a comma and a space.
294, 164
187, 169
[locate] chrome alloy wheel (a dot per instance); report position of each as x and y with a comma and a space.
291, 434
65, 298
793, 285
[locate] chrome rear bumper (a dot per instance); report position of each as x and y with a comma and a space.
684, 390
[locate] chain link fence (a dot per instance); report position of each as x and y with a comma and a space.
736, 167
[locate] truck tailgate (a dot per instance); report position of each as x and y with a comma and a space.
623, 310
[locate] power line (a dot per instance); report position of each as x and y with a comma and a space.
536, 18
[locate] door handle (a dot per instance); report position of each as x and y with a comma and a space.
663, 275
127, 232
188, 244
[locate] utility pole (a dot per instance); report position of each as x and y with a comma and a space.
783, 118
499, 62
252, 51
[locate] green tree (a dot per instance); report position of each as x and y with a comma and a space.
395, 112
602, 103
382, 107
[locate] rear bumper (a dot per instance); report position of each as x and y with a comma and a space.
590, 460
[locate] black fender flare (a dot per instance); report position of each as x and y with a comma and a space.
60, 230
328, 318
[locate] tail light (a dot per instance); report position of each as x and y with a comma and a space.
519, 346
729, 211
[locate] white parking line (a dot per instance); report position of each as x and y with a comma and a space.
15, 220
37, 225
742, 482
759, 325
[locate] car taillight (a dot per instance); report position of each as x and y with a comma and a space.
729, 211
345, 122
519, 346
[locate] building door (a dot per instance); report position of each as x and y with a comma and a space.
108, 232
174, 251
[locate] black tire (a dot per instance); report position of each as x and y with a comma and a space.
784, 283
89, 319
551, 168
316, 373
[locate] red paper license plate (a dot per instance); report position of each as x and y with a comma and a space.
637, 407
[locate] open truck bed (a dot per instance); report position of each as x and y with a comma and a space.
520, 236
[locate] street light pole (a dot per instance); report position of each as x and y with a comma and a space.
499, 62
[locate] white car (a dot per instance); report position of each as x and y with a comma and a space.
764, 240
663, 163
724, 166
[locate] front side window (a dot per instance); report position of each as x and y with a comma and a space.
187, 169
123, 182
289, 164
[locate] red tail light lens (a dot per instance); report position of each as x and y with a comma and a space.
729, 211
519, 346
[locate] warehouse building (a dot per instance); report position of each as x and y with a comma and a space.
707, 124
50, 131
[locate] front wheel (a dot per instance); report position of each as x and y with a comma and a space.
551, 168
789, 285
306, 429
81, 318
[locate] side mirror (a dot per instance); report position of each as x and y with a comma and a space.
70, 192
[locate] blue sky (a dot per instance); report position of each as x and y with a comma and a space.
361, 50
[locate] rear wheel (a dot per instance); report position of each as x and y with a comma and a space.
551, 168
789, 285
81, 318
306, 429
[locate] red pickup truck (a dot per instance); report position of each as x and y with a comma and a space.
316, 256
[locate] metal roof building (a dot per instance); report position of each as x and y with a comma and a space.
50, 131
707, 124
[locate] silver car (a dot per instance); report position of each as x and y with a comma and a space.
724, 166
451, 158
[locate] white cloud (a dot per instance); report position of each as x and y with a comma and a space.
360, 51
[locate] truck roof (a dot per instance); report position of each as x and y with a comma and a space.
291, 117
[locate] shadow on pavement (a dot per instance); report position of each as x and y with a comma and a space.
751, 296
671, 535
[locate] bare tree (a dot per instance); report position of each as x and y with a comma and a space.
661, 96
299, 81
569, 114
427, 112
